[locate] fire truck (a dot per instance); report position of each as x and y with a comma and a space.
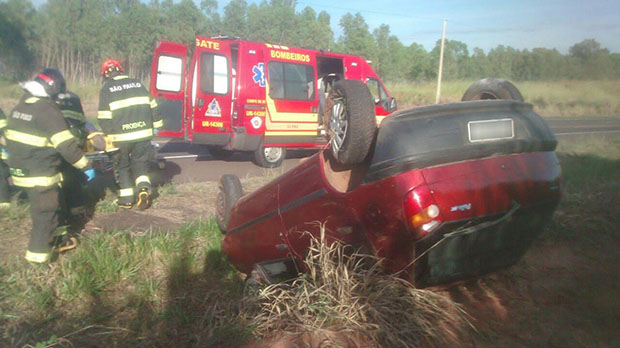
237, 95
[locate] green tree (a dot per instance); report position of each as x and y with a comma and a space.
17, 39
356, 39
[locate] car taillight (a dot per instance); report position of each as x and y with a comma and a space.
421, 211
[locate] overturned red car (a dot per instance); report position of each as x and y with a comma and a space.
446, 192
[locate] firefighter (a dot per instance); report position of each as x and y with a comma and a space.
38, 139
129, 117
74, 180
5, 196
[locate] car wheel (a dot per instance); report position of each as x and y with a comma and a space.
351, 122
269, 157
229, 192
492, 88
219, 153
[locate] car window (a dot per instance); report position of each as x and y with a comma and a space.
213, 73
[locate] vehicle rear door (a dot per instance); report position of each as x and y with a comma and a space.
168, 86
212, 102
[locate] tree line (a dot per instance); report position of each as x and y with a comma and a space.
77, 35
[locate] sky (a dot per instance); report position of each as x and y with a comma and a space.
521, 24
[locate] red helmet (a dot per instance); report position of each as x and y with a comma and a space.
111, 65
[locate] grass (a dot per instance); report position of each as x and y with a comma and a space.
550, 98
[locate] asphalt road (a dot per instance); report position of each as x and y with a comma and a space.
193, 163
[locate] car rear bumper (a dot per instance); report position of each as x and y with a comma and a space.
459, 250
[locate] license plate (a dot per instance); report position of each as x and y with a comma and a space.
489, 130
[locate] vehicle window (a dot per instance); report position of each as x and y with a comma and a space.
291, 81
373, 86
213, 73
169, 73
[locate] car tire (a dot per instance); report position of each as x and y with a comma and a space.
492, 88
269, 157
229, 192
350, 120
219, 153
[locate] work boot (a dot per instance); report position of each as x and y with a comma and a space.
124, 205
65, 242
144, 199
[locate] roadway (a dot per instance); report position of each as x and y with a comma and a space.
193, 163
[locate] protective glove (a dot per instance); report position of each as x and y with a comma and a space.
96, 140
90, 174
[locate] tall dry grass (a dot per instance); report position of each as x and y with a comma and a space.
347, 300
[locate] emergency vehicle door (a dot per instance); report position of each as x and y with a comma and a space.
212, 92
291, 98
168, 86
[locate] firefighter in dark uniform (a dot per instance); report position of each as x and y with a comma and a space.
5, 196
129, 117
74, 180
38, 139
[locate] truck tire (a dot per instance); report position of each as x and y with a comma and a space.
350, 120
492, 88
219, 153
229, 192
269, 157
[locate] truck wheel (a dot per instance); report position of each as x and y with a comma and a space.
229, 192
219, 153
351, 122
492, 88
269, 157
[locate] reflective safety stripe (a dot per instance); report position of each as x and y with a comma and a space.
137, 135
61, 137
81, 163
153, 104
125, 192
26, 138
37, 257
120, 77
158, 124
3, 123
142, 179
32, 100
74, 115
4, 155
124, 103
43, 181
104, 115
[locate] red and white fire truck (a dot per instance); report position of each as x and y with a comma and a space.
238, 95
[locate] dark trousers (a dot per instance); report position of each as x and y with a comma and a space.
131, 167
74, 188
47, 213
5, 196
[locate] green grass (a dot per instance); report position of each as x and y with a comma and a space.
147, 288
550, 98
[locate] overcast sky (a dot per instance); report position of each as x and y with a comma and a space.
482, 23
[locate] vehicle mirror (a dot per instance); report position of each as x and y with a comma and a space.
393, 105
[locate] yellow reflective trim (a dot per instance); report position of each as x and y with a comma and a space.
143, 178
61, 137
158, 124
121, 104
26, 138
137, 135
81, 163
4, 156
120, 77
32, 100
34, 181
125, 192
104, 115
38, 257
153, 104
74, 115
3, 123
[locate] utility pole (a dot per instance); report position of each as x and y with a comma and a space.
443, 40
